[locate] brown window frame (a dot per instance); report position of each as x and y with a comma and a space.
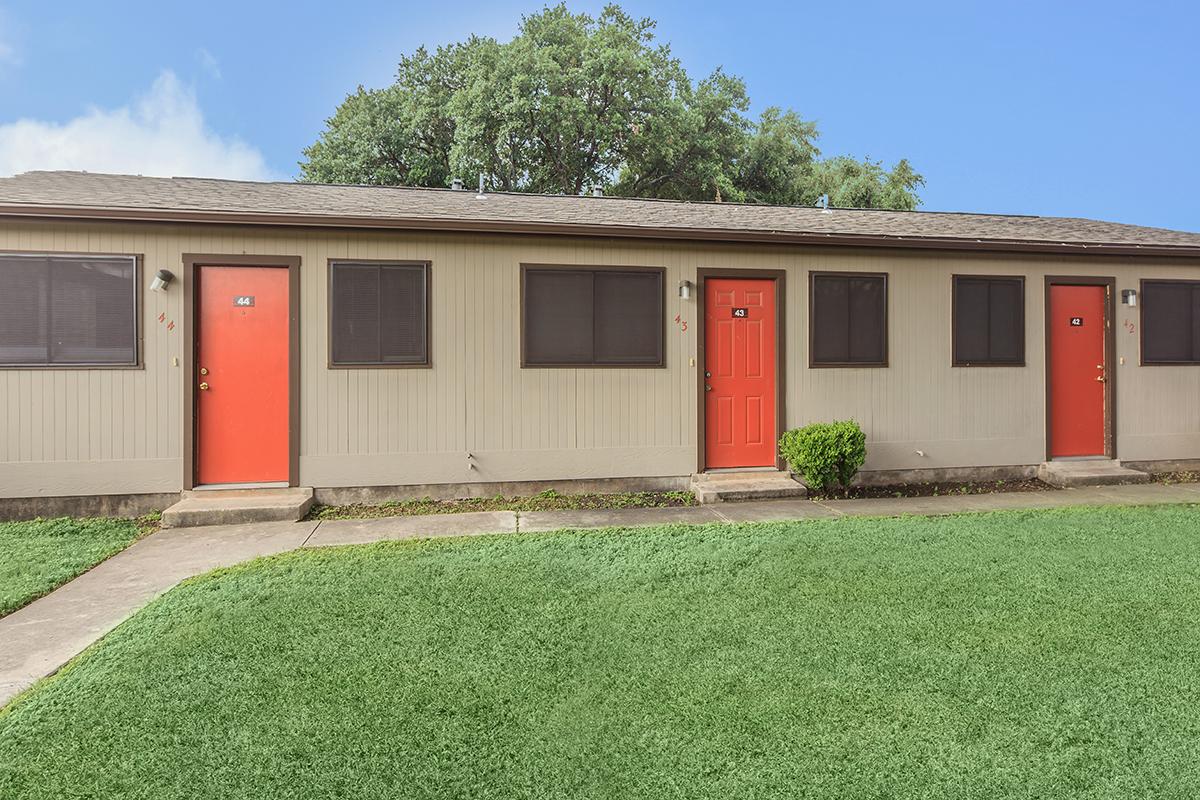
427, 361
955, 360
137, 362
1195, 361
659, 363
813, 363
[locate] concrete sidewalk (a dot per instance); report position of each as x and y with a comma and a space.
40, 638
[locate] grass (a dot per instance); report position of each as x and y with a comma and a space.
38, 556
1050, 654
549, 500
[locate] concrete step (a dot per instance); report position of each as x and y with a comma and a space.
720, 487
1099, 472
238, 506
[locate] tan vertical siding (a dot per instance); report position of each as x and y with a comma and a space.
110, 431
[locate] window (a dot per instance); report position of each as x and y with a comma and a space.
989, 321
1171, 322
847, 319
379, 314
68, 310
592, 317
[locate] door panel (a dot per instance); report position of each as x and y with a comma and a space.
1077, 320
739, 353
242, 383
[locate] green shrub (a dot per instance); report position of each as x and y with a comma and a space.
825, 452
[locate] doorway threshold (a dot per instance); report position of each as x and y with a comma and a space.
727, 470
214, 487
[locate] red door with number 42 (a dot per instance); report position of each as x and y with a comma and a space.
1078, 329
739, 372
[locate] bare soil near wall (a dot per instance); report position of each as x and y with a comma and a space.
932, 489
544, 501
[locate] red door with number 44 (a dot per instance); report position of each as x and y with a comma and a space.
242, 403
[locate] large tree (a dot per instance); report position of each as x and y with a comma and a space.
574, 101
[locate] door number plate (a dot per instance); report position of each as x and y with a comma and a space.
1076, 322
243, 300
740, 313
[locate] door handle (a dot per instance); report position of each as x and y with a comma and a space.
1101, 378
204, 387
707, 388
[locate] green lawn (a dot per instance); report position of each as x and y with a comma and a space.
1038, 654
41, 555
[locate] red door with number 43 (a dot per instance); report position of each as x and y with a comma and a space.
739, 372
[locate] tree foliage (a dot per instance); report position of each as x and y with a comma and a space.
574, 101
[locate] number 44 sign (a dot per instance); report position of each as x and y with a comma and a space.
243, 300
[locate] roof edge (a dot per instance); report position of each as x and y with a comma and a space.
85, 213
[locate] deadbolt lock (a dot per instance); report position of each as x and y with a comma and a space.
203, 371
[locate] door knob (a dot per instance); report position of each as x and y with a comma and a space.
707, 388
1101, 378
204, 387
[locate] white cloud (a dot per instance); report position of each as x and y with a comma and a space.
209, 62
162, 133
9, 57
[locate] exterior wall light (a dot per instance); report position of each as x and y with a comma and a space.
1129, 297
161, 279
685, 290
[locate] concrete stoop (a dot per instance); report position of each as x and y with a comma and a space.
238, 506
719, 487
1099, 472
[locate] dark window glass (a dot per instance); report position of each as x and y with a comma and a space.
593, 317
68, 310
1171, 322
849, 319
989, 320
378, 313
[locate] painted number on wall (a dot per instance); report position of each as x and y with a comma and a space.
243, 300
682, 323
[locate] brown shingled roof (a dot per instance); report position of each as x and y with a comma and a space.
93, 195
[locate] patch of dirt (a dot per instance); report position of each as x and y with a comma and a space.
1175, 477
931, 489
148, 523
545, 501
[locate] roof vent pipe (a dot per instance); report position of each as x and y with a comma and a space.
597, 190
481, 195
456, 184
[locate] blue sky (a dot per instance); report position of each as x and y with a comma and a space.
1065, 108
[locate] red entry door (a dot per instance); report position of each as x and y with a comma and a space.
739, 369
1078, 323
242, 375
